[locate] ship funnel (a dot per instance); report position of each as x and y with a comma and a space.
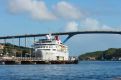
57, 38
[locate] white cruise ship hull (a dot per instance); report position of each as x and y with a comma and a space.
51, 55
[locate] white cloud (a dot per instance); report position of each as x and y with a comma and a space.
71, 26
89, 24
37, 9
67, 10
93, 24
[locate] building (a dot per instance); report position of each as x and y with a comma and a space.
1, 49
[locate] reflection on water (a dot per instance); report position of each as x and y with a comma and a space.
85, 70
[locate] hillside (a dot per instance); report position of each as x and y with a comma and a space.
110, 54
14, 50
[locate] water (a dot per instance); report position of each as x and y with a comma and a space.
85, 70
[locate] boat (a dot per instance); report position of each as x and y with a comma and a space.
51, 49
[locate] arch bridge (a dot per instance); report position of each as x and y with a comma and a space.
69, 34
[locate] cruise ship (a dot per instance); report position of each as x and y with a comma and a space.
51, 48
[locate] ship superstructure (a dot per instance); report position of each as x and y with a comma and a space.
51, 48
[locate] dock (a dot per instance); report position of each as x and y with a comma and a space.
25, 60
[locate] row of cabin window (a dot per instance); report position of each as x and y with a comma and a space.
45, 46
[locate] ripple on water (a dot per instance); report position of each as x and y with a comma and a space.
85, 70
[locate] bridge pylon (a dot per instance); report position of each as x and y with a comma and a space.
69, 36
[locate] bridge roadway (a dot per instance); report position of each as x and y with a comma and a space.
70, 34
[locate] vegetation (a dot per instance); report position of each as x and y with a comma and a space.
14, 50
110, 54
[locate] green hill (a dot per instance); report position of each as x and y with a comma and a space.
14, 50
110, 54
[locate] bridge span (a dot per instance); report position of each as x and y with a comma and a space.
69, 34
60, 33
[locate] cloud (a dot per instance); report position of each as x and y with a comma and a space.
93, 24
71, 26
67, 11
89, 24
37, 9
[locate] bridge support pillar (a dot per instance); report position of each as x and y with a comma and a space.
69, 36
13, 47
33, 46
19, 43
5, 52
25, 41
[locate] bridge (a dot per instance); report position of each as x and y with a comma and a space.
35, 60
69, 34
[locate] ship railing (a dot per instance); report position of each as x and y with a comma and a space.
28, 58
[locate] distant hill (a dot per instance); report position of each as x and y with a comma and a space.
110, 54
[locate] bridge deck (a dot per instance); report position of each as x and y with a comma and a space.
61, 33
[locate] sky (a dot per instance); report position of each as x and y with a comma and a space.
45, 16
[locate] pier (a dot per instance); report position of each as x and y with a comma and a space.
28, 60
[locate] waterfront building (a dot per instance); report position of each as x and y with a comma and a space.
1, 49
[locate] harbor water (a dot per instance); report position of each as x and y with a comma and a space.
85, 70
